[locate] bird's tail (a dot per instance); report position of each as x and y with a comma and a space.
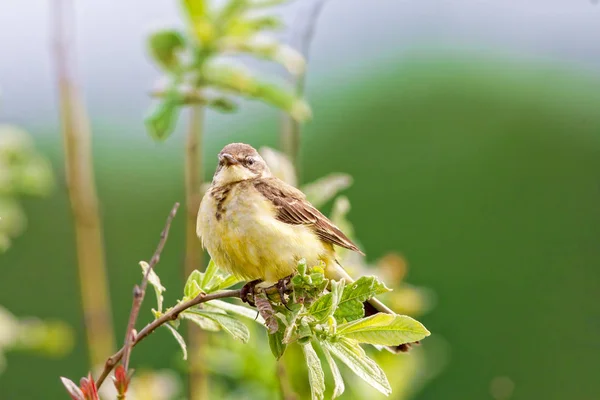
372, 306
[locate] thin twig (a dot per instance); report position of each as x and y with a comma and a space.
140, 291
171, 315
302, 38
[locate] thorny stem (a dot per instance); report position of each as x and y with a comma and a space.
76, 134
197, 382
171, 315
140, 291
304, 33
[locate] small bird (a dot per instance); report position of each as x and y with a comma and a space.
257, 227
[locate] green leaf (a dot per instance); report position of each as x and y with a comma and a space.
244, 26
193, 285
231, 9
162, 119
164, 46
350, 306
238, 80
179, 339
326, 305
154, 280
324, 189
228, 282
276, 343
242, 311
265, 3
384, 329
290, 323
350, 311
351, 354
195, 8
229, 324
316, 376
209, 274
338, 381
268, 48
203, 322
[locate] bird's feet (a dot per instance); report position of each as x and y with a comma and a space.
281, 286
248, 292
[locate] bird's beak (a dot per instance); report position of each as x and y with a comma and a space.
228, 159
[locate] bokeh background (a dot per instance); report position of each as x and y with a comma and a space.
472, 132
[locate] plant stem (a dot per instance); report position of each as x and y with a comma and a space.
291, 131
140, 291
171, 315
197, 381
76, 134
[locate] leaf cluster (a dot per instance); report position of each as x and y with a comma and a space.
319, 315
195, 69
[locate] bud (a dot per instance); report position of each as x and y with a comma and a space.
88, 388
121, 380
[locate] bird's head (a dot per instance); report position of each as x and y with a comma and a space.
239, 162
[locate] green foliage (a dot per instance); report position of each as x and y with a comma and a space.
23, 171
350, 305
191, 62
316, 376
384, 329
311, 318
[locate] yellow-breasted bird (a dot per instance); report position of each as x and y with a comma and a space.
257, 227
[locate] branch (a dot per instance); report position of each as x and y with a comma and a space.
171, 315
140, 291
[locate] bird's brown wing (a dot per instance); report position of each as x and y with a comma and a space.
293, 208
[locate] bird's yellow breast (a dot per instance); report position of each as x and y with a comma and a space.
242, 235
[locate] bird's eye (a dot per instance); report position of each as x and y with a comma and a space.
249, 161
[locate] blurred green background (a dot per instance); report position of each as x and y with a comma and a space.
482, 170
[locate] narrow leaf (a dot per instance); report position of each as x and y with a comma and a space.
239, 310
195, 8
229, 324
179, 339
209, 274
193, 285
276, 343
154, 280
316, 376
351, 354
72, 388
384, 329
203, 322
268, 48
238, 80
337, 376
228, 282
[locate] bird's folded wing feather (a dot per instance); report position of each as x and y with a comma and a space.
293, 208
